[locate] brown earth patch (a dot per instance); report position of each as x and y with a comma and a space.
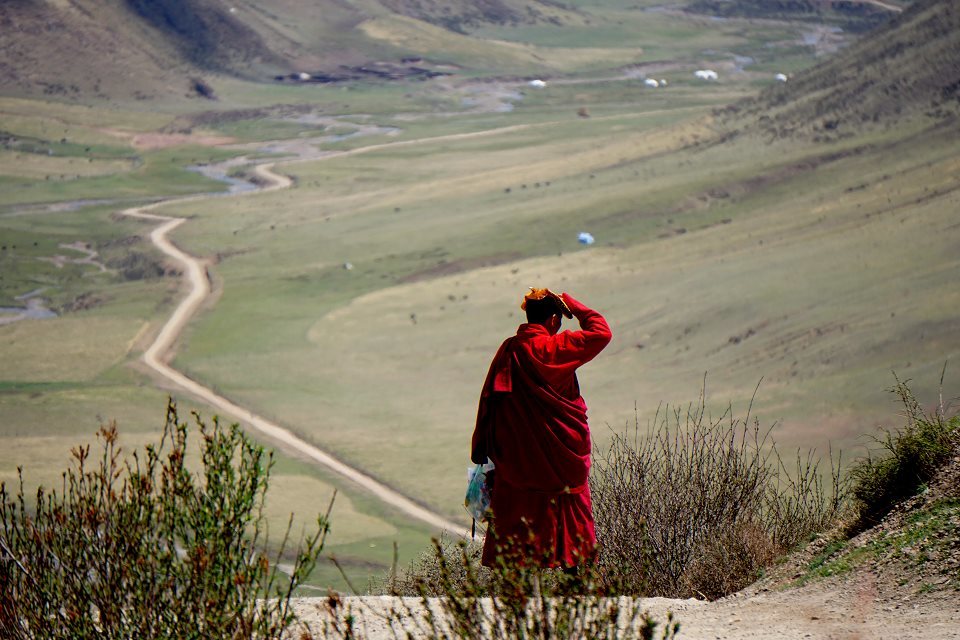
148, 141
84, 301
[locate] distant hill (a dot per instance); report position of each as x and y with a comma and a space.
205, 32
65, 50
142, 48
857, 16
464, 15
908, 67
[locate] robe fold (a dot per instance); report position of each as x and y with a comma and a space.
532, 423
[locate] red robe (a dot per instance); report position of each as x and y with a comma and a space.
532, 423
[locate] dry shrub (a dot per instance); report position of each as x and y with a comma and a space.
727, 562
696, 506
446, 562
457, 598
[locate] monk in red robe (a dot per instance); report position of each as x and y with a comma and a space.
532, 423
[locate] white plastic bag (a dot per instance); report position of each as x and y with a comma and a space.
477, 500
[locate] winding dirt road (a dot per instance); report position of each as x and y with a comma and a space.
158, 355
884, 5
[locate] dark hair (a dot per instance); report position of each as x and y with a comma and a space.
539, 311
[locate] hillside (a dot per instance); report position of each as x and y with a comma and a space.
850, 15
909, 67
147, 48
205, 33
47, 48
463, 15
912, 555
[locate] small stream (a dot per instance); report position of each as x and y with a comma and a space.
303, 148
220, 172
33, 309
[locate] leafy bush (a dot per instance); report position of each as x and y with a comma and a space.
697, 507
137, 546
909, 459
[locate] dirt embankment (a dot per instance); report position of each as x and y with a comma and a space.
849, 609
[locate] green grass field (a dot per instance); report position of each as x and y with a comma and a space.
816, 268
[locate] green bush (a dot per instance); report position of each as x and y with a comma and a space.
139, 547
907, 459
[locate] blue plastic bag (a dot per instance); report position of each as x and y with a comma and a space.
477, 500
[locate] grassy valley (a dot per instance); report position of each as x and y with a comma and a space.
799, 235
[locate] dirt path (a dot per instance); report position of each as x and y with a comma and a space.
884, 5
848, 609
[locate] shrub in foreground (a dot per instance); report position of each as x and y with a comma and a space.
458, 598
449, 562
139, 547
696, 507
907, 459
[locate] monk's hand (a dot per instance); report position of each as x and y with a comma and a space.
571, 303
564, 309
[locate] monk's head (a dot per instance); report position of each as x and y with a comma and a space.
545, 308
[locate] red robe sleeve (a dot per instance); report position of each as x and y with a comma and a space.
556, 358
498, 379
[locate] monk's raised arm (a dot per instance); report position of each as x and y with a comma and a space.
594, 333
